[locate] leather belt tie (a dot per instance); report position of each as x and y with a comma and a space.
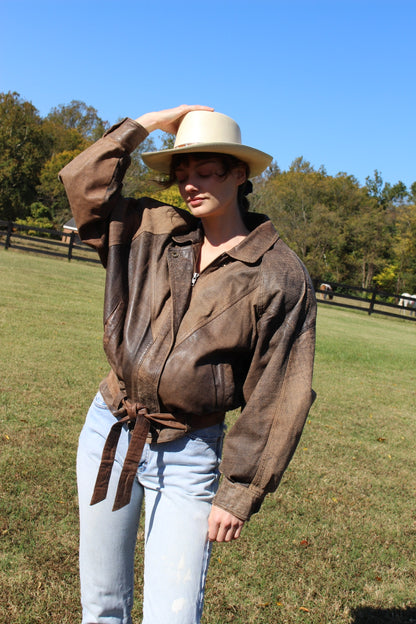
136, 415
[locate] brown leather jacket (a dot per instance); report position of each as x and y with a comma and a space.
242, 336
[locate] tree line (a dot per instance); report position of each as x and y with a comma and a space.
343, 231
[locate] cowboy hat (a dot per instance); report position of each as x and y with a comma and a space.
207, 131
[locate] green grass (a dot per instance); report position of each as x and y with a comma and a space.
333, 545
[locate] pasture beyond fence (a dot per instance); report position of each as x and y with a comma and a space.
66, 244
61, 244
372, 300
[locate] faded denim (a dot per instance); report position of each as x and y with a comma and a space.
177, 481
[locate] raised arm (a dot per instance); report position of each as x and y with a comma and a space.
93, 180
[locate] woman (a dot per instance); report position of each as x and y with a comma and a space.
205, 311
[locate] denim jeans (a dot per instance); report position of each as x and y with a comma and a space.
177, 481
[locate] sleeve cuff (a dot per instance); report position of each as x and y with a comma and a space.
128, 133
237, 499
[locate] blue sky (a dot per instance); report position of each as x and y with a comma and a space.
330, 80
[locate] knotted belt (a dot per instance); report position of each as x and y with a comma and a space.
137, 417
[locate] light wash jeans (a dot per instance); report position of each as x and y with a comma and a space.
177, 481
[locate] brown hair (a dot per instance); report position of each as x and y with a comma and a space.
228, 163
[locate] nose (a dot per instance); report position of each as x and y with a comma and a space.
191, 184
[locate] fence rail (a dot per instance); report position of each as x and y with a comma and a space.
68, 245
372, 300
49, 242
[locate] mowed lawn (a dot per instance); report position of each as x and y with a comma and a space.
334, 545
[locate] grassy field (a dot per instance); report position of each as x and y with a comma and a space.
334, 545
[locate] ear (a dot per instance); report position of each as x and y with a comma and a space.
240, 175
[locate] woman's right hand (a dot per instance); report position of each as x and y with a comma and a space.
169, 119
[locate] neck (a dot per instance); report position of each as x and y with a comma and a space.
219, 231
220, 235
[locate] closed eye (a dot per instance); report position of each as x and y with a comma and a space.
203, 170
208, 169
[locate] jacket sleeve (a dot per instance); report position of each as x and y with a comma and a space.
279, 394
93, 181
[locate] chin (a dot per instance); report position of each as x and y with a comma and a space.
204, 211
198, 211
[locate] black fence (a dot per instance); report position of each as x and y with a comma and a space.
372, 300
61, 244
66, 244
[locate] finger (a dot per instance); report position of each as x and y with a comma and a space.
223, 526
222, 533
212, 530
238, 532
169, 119
192, 107
234, 532
229, 536
176, 115
226, 532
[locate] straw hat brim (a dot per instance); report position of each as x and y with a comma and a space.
257, 160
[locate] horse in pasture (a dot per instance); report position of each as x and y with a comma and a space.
326, 291
409, 302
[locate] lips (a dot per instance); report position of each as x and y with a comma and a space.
195, 201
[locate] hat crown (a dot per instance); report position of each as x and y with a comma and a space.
207, 127
208, 131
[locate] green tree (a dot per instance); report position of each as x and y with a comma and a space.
78, 116
63, 139
387, 195
412, 193
170, 196
23, 149
39, 217
329, 221
386, 279
141, 181
51, 191
369, 242
405, 249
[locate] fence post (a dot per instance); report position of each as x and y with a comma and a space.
71, 245
372, 301
9, 234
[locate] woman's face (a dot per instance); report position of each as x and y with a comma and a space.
205, 189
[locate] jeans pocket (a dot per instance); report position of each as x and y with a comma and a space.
211, 437
99, 401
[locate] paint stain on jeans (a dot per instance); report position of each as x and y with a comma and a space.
178, 605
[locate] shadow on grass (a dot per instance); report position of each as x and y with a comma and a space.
370, 615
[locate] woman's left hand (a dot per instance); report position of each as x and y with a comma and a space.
223, 526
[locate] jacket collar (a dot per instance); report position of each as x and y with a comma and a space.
263, 235
194, 236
